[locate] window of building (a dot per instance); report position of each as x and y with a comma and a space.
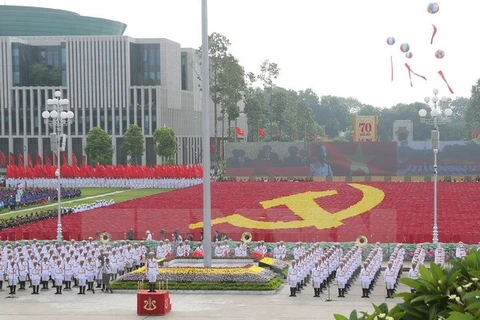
184, 70
145, 64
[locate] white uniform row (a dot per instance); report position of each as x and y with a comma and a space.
105, 182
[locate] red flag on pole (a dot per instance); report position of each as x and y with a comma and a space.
65, 158
3, 160
30, 161
38, 160
20, 159
48, 161
55, 159
84, 160
261, 132
12, 158
239, 131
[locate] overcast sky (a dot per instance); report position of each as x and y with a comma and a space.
334, 47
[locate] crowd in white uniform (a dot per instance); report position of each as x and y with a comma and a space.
106, 183
94, 205
87, 262
82, 263
323, 266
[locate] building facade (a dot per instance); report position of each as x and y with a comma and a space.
111, 81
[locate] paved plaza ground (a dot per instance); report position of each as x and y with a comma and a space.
122, 306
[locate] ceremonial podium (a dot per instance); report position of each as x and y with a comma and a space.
153, 303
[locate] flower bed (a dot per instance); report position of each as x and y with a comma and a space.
276, 265
248, 277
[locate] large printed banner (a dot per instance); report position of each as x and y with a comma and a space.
365, 128
454, 158
315, 159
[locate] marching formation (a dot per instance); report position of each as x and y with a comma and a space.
79, 263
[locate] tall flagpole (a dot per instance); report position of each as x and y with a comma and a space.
207, 215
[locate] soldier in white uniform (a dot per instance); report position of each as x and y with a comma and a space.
82, 277
46, 268
341, 280
59, 275
35, 276
152, 271
316, 280
439, 255
389, 279
413, 274
365, 278
22, 271
460, 252
12, 275
292, 279
2, 270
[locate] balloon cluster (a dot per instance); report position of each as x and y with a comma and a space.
432, 8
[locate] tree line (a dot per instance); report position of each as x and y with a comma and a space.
276, 113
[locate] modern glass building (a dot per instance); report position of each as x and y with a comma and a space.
111, 81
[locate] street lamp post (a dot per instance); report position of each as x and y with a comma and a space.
437, 117
56, 118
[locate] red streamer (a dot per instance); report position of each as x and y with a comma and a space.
410, 71
444, 79
433, 34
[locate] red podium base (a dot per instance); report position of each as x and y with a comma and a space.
153, 303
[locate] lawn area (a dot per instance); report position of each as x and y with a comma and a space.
89, 195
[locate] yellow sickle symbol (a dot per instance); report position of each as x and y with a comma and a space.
304, 206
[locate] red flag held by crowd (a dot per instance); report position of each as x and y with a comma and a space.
30, 161
48, 161
38, 160
12, 158
74, 159
3, 159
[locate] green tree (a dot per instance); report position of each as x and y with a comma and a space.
334, 114
42, 75
472, 114
165, 143
231, 84
254, 108
305, 124
226, 81
99, 147
133, 142
269, 71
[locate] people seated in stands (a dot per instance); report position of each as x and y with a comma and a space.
239, 160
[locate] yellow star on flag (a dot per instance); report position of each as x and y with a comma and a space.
359, 160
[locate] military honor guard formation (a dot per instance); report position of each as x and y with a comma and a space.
89, 265
86, 265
